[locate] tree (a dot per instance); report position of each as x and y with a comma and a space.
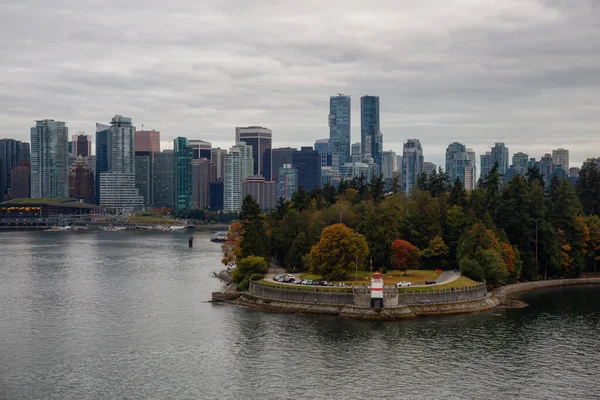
458, 194
434, 255
249, 268
300, 247
377, 188
405, 255
593, 240
300, 199
380, 228
254, 240
231, 247
337, 251
588, 188
396, 188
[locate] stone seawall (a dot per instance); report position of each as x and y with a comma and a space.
502, 292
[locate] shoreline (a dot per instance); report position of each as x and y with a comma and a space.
496, 298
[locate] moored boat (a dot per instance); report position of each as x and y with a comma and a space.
219, 237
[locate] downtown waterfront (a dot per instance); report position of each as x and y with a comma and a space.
98, 315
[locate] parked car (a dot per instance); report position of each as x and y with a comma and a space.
430, 282
403, 284
278, 278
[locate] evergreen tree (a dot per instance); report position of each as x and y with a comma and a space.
377, 188
458, 194
588, 188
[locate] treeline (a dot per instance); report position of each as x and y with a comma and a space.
501, 233
200, 214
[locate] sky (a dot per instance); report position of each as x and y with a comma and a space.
522, 72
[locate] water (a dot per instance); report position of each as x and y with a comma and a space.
124, 315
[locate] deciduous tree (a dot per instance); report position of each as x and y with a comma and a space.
405, 255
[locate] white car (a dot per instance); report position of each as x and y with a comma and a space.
403, 284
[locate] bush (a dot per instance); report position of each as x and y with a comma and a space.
256, 277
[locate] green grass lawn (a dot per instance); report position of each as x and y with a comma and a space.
389, 278
461, 282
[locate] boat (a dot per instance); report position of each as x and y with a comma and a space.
57, 229
219, 237
114, 228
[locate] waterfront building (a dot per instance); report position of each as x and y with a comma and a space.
21, 180
560, 157
182, 174
485, 164
263, 191
117, 185
102, 154
217, 156
162, 179
49, 170
204, 172
12, 152
500, 156
147, 142
81, 145
339, 129
520, 162
324, 149
201, 149
260, 140
308, 163
216, 195
239, 165
143, 177
412, 164
370, 131
81, 181
388, 165
288, 181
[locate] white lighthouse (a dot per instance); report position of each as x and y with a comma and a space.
376, 291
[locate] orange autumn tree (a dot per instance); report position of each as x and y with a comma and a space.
405, 255
232, 249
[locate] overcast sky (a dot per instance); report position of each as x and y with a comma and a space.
519, 71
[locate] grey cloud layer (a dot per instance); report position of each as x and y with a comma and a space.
523, 72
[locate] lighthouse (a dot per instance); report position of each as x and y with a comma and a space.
376, 291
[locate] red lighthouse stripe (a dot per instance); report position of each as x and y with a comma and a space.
378, 289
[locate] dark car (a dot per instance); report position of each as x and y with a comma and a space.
430, 282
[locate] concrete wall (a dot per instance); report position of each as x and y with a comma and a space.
362, 296
315, 296
443, 296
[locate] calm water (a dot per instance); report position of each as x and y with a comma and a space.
124, 315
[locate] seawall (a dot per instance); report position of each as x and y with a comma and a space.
502, 292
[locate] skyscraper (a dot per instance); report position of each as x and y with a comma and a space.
260, 139
49, 159
11, 154
546, 168
162, 179
288, 181
370, 131
485, 164
500, 156
324, 149
520, 163
339, 129
102, 154
560, 157
81, 181
460, 163
308, 163
147, 142
82, 145
143, 176
264, 192
282, 156
217, 156
356, 153
238, 166
183, 187
201, 149
117, 185
204, 173
21, 181
388, 165
412, 164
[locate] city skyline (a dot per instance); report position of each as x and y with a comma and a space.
476, 73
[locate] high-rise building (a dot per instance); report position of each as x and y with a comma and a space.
183, 186
288, 181
573, 172
162, 179
117, 185
81, 145
546, 168
264, 192
238, 166
21, 180
147, 142
12, 152
370, 131
201, 149
260, 139
102, 154
356, 153
429, 168
204, 173
560, 157
282, 156
485, 164
460, 163
412, 164
308, 163
388, 165
143, 176
49, 174
24, 152
217, 156
324, 149
339, 129
520, 163
500, 156
81, 181
216, 195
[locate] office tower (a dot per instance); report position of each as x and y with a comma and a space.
546, 168
520, 163
143, 176
282, 156
183, 186
162, 179
560, 157
217, 156
259, 139
147, 142
388, 165
11, 154
264, 192
49, 174
412, 164
370, 131
500, 156
81, 181
308, 163
201, 149
239, 165
81, 145
356, 153
288, 181
324, 149
485, 164
216, 195
429, 168
204, 172
339, 129
117, 185
21, 181
25, 151
460, 163
102, 153
90, 163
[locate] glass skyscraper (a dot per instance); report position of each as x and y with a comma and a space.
370, 130
162, 179
412, 164
460, 163
339, 130
49, 169
102, 135
260, 139
500, 156
183, 185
